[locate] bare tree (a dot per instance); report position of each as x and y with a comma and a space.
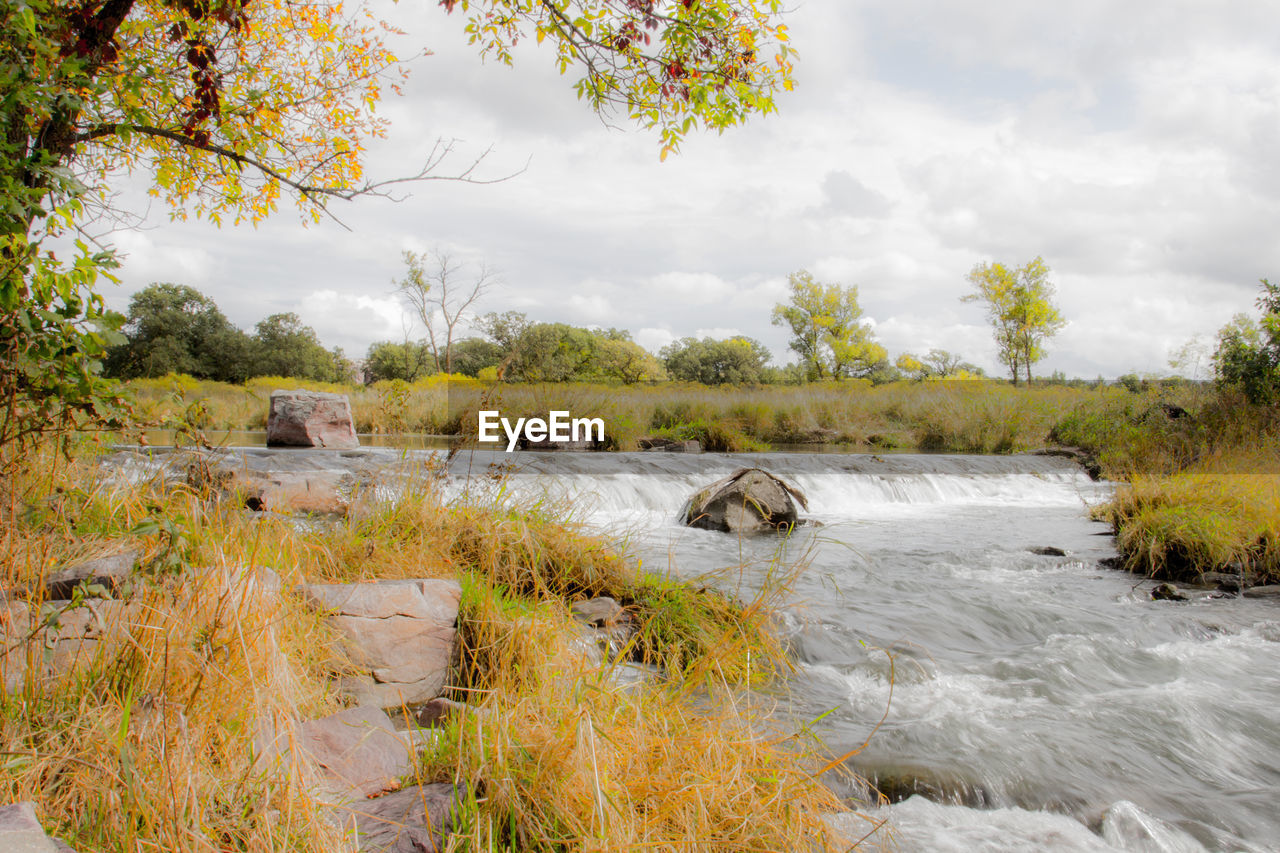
440, 291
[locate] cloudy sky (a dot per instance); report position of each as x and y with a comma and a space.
1132, 145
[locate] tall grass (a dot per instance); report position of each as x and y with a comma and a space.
147, 742
1199, 471
958, 416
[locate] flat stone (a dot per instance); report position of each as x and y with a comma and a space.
402, 631
311, 419
357, 752
434, 712
108, 572
323, 493
417, 819
1266, 591
21, 832
597, 612
53, 648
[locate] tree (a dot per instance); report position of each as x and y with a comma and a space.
1248, 352
733, 361
285, 347
1020, 309
825, 331
621, 358
173, 328
407, 361
937, 364
231, 104
439, 294
472, 355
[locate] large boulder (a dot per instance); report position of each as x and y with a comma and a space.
401, 631
311, 419
747, 501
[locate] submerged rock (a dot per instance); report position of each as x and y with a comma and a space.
747, 501
1048, 551
310, 419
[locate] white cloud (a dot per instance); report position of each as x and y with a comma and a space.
1130, 145
653, 339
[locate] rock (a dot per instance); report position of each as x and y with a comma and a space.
312, 493
747, 501
605, 622
668, 445
310, 419
1167, 592
1267, 591
1222, 580
403, 631
547, 444
21, 832
434, 712
597, 612
55, 639
358, 751
1048, 551
415, 820
108, 572
1081, 457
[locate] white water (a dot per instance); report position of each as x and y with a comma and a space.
1033, 702
1040, 703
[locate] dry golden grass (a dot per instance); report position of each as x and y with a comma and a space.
1222, 512
148, 743
561, 752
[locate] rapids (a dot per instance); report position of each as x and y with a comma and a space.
1030, 702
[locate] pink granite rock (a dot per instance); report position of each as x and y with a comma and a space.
402, 631
310, 419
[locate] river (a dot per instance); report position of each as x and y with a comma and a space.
1009, 700
1029, 701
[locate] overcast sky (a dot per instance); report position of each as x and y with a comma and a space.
1132, 145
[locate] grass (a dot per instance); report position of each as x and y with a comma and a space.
146, 743
1199, 473
1220, 514
956, 416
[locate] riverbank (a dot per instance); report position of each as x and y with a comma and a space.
1199, 465
1201, 483
149, 742
953, 416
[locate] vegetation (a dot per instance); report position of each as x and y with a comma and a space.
1200, 469
173, 328
1020, 308
149, 711
825, 329
1248, 352
733, 361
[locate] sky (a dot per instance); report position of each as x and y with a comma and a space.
1131, 145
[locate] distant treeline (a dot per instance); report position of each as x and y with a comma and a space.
174, 328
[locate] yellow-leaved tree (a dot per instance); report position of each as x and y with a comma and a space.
233, 104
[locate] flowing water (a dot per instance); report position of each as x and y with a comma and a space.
1028, 701
1008, 700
